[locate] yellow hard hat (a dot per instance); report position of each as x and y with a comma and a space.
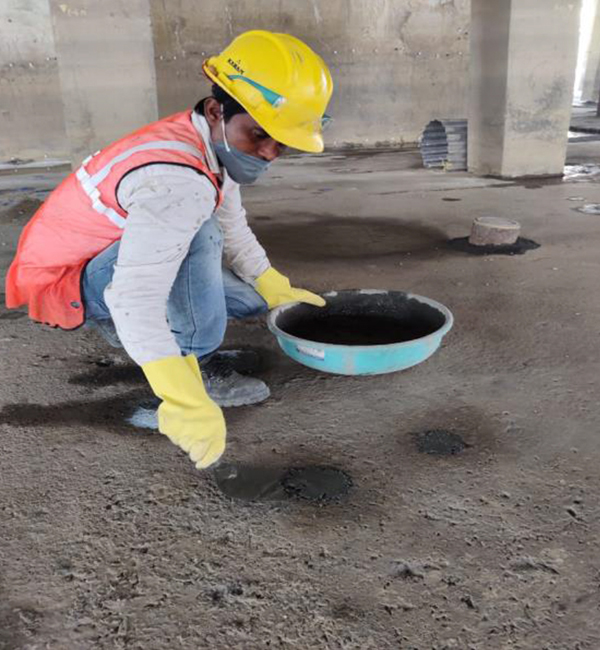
280, 81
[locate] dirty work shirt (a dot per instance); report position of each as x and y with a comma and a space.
166, 206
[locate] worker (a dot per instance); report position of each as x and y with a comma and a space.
132, 242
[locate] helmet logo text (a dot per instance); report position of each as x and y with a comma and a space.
235, 66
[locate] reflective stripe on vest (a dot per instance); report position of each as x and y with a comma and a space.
89, 184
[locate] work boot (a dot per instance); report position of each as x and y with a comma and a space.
246, 361
226, 386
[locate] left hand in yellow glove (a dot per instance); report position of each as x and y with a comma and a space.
277, 290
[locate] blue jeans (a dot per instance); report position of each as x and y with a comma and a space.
204, 294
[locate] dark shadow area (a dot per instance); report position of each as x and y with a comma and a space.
103, 413
326, 237
109, 375
12, 315
246, 360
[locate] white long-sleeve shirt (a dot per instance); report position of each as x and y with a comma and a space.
166, 206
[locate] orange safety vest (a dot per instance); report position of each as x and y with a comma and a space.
82, 217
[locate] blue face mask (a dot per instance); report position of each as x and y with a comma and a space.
242, 167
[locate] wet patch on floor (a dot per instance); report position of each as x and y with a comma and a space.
439, 442
589, 208
521, 246
575, 172
317, 484
326, 237
571, 173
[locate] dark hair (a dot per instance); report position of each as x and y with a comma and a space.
230, 106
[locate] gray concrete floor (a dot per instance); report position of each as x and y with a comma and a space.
110, 538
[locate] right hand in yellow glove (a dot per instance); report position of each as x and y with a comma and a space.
187, 415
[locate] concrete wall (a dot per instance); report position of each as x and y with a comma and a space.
31, 116
396, 64
106, 69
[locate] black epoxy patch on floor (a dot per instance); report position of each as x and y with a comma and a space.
320, 485
521, 246
439, 442
249, 482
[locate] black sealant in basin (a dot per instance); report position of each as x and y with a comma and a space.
354, 318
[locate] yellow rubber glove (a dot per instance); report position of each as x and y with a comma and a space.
277, 290
187, 415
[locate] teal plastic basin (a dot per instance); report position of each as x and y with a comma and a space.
413, 313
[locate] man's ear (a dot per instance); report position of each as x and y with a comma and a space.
212, 111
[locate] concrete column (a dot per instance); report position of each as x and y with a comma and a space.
523, 58
106, 68
590, 81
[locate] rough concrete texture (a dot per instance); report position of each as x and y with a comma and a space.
109, 538
106, 65
521, 87
31, 116
587, 81
396, 65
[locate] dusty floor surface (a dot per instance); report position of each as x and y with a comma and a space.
110, 538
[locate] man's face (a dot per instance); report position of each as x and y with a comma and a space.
242, 132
